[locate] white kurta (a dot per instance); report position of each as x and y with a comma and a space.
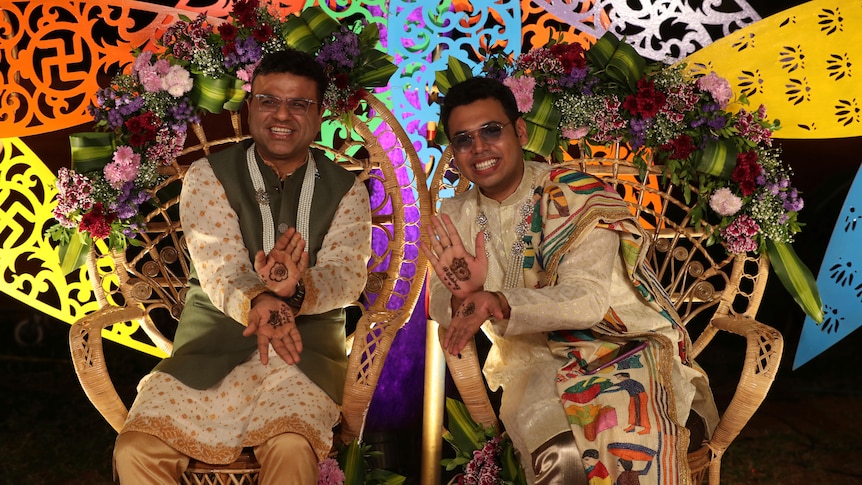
254, 402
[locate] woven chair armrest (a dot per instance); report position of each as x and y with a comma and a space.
764, 347
85, 343
370, 344
467, 375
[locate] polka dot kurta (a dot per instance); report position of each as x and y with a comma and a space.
254, 402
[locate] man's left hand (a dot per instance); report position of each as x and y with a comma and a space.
468, 319
284, 266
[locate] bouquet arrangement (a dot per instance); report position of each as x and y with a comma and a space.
687, 122
351, 467
484, 456
203, 67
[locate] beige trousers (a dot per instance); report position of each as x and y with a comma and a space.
143, 459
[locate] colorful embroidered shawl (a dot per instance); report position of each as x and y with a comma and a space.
627, 410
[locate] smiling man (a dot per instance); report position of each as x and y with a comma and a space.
280, 237
545, 260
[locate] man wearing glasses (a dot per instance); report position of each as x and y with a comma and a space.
541, 257
280, 237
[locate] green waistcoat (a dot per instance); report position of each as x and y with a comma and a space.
209, 344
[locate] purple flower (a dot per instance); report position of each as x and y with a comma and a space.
717, 122
341, 52
246, 51
573, 78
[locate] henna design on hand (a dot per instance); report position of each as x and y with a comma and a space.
469, 309
279, 317
451, 279
278, 272
460, 269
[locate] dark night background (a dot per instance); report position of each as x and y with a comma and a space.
806, 432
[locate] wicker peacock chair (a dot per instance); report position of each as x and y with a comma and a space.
712, 290
147, 284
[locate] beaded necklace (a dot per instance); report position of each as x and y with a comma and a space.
515, 263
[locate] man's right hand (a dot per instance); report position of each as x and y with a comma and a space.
461, 272
274, 324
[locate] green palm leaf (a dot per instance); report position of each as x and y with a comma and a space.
91, 150
542, 125
796, 278
620, 61
307, 31
717, 158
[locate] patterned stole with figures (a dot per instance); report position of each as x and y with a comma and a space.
625, 410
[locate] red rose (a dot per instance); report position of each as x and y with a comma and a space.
679, 148
569, 55
746, 171
143, 128
647, 102
228, 31
262, 33
227, 48
244, 11
96, 222
341, 81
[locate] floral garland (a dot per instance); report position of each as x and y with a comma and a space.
143, 116
687, 123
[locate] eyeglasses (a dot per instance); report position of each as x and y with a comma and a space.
489, 133
271, 104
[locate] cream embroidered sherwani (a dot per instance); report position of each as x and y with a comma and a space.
589, 280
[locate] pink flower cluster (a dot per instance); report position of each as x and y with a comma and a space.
609, 121
749, 127
718, 87
522, 88
329, 473
183, 39
124, 168
484, 468
739, 234
73, 197
161, 75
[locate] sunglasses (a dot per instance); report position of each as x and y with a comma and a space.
489, 133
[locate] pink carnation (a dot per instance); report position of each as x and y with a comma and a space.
162, 66
724, 202
330, 473
245, 74
522, 87
151, 80
718, 87
124, 168
142, 62
177, 81
575, 133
